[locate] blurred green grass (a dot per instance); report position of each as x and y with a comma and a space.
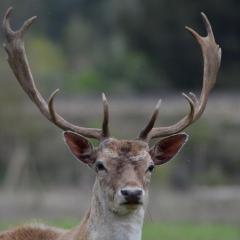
170, 231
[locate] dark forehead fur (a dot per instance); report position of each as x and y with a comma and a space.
124, 147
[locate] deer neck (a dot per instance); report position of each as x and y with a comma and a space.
101, 223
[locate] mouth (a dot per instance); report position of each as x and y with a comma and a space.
132, 203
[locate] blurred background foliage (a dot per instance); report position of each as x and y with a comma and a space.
135, 51
134, 46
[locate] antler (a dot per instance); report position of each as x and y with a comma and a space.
18, 62
212, 58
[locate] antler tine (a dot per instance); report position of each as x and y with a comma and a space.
6, 24
18, 62
105, 124
183, 123
144, 133
212, 58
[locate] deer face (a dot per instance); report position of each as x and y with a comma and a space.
123, 170
124, 167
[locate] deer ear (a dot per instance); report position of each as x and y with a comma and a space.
80, 147
167, 148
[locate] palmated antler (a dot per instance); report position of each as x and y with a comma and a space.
212, 58
18, 62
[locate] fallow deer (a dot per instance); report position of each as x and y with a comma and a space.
123, 168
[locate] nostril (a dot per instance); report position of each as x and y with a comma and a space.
138, 193
132, 193
125, 192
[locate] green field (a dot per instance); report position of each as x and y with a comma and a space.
176, 231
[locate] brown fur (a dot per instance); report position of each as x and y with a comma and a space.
124, 147
32, 232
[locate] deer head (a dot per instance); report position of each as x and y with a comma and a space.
123, 167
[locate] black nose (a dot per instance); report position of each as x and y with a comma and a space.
132, 195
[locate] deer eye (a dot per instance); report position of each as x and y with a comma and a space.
100, 167
150, 168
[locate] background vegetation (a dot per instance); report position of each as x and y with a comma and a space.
135, 51
128, 46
